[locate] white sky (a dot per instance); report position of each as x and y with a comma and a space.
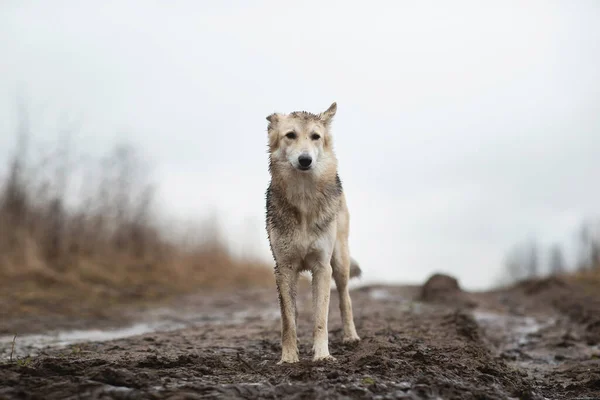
462, 128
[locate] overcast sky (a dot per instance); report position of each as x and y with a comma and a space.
462, 127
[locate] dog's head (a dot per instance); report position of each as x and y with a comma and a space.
301, 140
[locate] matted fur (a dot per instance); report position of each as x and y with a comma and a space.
308, 225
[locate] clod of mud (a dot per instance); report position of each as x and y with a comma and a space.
465, 324
441, 288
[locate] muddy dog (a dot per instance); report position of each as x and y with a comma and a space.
308, 225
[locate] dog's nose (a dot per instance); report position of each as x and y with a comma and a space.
304, 160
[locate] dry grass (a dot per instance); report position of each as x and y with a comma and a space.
590, 277
102, 248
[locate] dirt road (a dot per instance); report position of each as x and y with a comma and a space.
537, 340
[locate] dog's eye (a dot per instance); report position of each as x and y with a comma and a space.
290, 135
315, 136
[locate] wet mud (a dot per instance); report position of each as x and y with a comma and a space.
536, 340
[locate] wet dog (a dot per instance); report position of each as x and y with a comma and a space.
308, 225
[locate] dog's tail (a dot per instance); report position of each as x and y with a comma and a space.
355, 271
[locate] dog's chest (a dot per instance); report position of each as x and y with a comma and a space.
298, 233
309, 238
301, 222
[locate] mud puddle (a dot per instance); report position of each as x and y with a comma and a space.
30, 345
153, 321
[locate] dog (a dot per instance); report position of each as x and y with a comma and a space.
307, 223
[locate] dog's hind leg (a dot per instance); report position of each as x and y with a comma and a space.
321, 289
341, 273
287, 280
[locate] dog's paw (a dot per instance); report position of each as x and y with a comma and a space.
288, 360
351, 339
327, 358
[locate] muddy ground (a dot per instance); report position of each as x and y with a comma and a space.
539, 339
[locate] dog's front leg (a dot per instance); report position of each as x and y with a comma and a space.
341, 272
321, 287
286, 278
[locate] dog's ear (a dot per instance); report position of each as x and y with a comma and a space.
328, 114
273, 118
